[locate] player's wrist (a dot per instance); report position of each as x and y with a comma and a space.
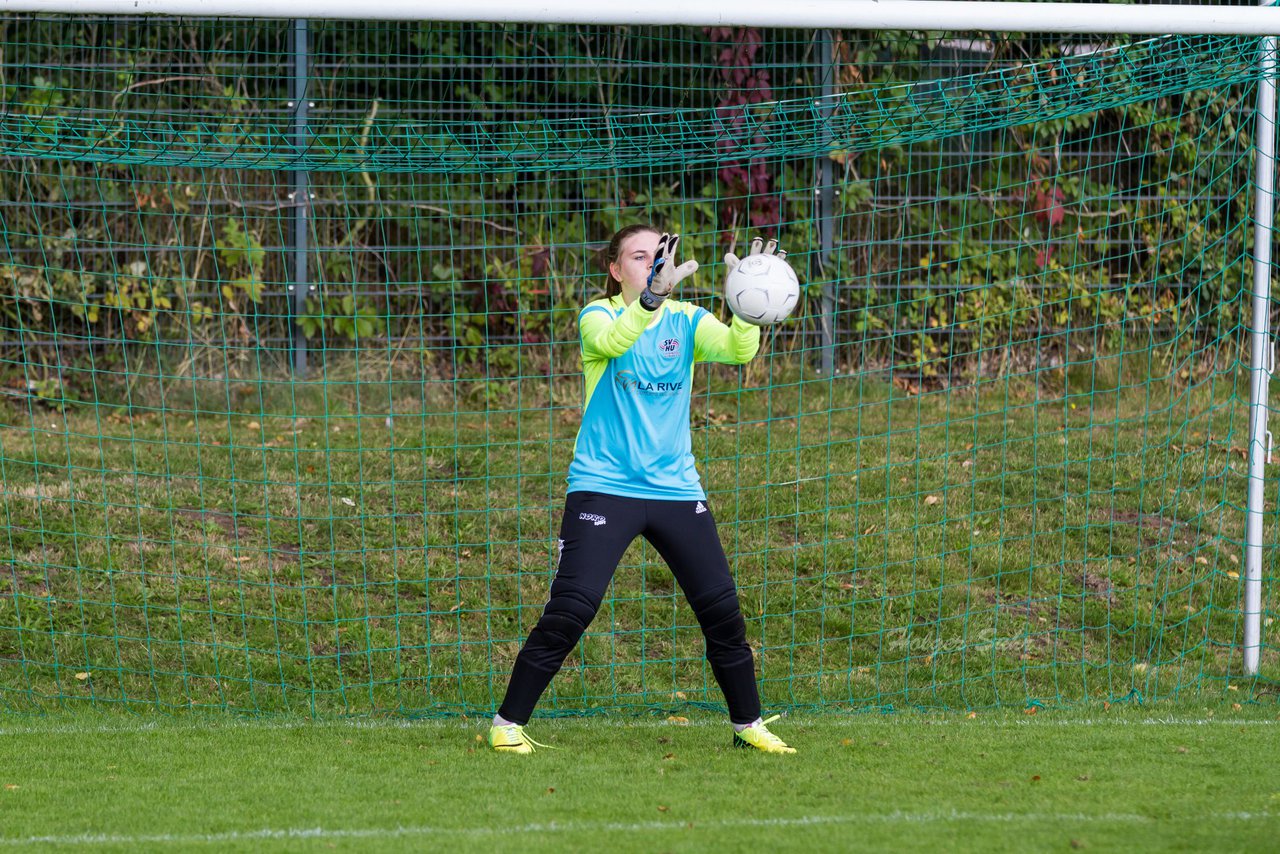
651, 301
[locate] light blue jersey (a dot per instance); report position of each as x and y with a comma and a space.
635, 440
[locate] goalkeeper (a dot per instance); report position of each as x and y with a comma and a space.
633, 475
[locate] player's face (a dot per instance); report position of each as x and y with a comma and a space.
634, 262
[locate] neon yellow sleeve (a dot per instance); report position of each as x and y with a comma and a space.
603, 337
735, 344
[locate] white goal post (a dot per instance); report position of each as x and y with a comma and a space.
921, 15
819, 14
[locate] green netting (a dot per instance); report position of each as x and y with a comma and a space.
291, 384
862, 119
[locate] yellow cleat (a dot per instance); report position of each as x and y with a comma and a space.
760, 738
511, 739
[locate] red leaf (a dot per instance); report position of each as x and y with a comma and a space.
1049, 208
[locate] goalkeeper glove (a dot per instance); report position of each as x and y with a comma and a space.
664, 275
731, 261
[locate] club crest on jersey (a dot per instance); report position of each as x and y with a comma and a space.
670, 347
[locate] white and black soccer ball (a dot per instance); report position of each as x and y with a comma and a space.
762, 289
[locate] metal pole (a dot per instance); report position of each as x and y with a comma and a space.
821, 267
300, 286
1262, 358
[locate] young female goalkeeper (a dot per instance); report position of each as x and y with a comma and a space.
633, 475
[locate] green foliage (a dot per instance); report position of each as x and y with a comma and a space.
354, 320
348, 317
241, 250
1043, 234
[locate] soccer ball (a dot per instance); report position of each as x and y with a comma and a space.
762, 289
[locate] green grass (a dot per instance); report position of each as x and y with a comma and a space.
1126, 779
268, 545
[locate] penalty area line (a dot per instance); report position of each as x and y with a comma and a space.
98, 839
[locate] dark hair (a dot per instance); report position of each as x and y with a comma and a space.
610, 255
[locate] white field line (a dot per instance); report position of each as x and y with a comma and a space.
96, 839
549, 724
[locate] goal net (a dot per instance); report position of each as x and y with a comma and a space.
291, 374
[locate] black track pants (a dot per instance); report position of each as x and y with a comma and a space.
594, 533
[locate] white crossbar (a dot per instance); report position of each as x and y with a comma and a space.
934, 15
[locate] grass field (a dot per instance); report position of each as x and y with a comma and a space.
1124, 779
355, 544
1020, 569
